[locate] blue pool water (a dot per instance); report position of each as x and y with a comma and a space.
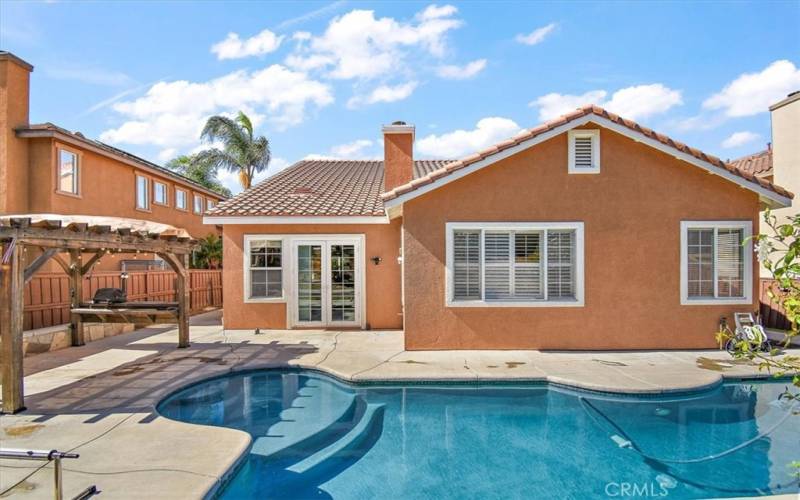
314, 437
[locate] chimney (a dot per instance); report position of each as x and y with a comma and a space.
14, 112
398, 155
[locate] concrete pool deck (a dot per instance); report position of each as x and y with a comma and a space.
99, 399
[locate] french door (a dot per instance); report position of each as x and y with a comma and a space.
327, 282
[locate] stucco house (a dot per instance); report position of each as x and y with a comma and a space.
586, 232
47, 169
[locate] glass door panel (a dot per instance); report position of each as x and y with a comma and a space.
343, 283
309, 283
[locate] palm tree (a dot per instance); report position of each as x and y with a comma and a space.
202, 172
209, 254
241, 152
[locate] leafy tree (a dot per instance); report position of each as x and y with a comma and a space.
779, 252
242, 153
209, 255
202, 172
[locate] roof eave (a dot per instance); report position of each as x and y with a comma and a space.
27, 133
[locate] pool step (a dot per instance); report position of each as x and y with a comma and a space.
318, 416
371, 422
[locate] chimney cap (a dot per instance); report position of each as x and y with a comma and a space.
8, 56
398, 127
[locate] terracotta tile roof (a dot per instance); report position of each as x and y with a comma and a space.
446, 170
319, 188
758, 164
49, 127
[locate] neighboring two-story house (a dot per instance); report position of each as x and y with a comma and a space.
48, 169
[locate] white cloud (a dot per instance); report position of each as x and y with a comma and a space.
234, 47
753, 93
453, 72
737, 139
231, 179
383, 93
351, 149
554, 105
357, 45
172, 114
167, 154
536, 36
640, 101
487, 131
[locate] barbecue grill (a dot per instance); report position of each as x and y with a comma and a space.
110, 305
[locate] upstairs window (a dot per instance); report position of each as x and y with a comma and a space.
198, 204
67, 172
142, 193
159, 193
584, 151
210, 204
517, 264
716, 263
180, 199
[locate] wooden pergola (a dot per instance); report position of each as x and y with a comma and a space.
75, 236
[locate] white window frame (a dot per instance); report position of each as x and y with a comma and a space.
76, 175
285, 256
210, 204
164, 203
194, 204
185, 206
747, 255
145, 208
594, 134
578, 301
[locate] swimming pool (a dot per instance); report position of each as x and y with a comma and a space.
314, 437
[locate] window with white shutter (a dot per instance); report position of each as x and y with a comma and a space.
584, 151
715, 262
515, 264
466, 265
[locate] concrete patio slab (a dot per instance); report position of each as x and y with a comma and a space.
99, 399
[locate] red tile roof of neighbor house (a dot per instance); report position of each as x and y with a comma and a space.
758, 164
354, 187
319, 188
563, 120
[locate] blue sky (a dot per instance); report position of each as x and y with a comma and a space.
320, 78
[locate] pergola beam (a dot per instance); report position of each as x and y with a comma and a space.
39, 262
12, 282
92, 261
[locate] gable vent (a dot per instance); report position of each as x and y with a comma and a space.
584, 151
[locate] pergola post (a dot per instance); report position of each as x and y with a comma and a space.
76, 295
12, 282
182, 292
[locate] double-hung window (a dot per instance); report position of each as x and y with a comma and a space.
180, 199
198, 204
515, 264
263, 269
716, 262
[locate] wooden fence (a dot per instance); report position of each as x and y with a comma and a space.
47, 294
772, 314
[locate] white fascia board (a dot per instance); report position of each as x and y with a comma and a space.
244, 219
771, 198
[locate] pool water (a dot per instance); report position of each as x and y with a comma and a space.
314, 437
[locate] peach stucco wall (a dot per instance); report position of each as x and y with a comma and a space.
631, 212
14, 90
383, 308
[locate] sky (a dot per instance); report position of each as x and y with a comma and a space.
320, 78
